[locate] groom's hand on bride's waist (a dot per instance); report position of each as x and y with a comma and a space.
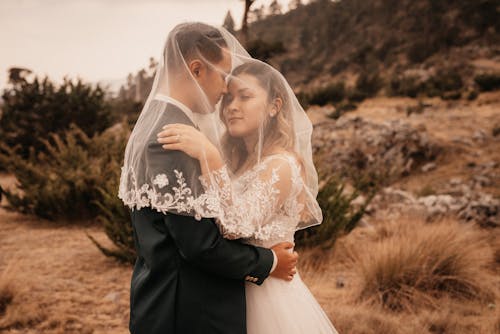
287, 260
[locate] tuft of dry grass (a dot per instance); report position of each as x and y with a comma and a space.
436, 278
16, 311
420, 262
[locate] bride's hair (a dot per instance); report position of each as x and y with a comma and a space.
277, 131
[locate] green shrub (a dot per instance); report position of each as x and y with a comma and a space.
415, 109
303, 99
447, 83
263, 50
62, 181
420, 50
341, 108
472, 95
488, 81
408, 85
33, 110
332, 93
339, 216
115, 218
367, 85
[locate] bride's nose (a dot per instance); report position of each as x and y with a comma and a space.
232, 106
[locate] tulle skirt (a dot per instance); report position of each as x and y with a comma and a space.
279, 307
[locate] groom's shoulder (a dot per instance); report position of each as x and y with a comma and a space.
168, 114
154, 152
173, 114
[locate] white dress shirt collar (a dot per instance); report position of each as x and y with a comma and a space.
177, 103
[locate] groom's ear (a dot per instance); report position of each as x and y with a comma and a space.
197, 69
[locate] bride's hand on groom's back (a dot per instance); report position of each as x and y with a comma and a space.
186, 138
287, 260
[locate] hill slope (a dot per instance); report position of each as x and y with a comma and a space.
326, 40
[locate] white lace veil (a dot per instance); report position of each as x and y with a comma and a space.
147, 178
281, 130
282, 127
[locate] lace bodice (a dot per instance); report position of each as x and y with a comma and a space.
262, 205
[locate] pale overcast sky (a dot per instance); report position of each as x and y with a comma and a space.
97, 39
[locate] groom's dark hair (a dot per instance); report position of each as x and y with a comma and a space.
195, 40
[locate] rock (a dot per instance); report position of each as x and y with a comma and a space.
460, 199
113, 297
355, 146
479, 135
428, 167
340, 282
482, 180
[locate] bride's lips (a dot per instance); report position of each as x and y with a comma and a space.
232, 119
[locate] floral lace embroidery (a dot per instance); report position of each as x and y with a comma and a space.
249, 205
246, 207
180, 200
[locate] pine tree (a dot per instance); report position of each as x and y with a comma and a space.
275, 8
257, 14
294, 4
229, 22
33, 109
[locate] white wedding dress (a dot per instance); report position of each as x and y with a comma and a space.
263, 207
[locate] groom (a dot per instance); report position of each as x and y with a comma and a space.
187, 278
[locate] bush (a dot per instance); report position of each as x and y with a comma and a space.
115, 218
472, 95
33, 110
367, 85
339, 216
423, 48
414, 264
303, 99
488, 81
332, 93
17, 311
62, 181
405, 85
125, 110
447, 83
263, 50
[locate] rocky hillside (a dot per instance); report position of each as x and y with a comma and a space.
441, 161
327, 40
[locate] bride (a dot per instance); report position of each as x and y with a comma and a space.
261, 185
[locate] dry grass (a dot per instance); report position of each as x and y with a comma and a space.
408, 276
422, 262
59, 280
16, 310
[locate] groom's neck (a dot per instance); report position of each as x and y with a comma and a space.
184, 100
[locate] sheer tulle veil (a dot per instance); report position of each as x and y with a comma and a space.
178, 189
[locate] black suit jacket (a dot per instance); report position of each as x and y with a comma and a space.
187, 279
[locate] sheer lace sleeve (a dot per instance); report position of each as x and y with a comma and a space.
244, 208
